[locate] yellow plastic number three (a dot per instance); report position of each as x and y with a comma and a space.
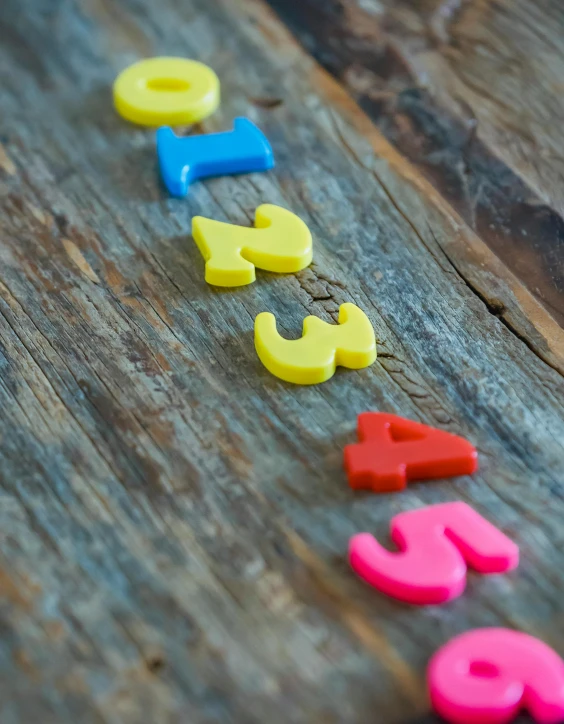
166, 91
323, 347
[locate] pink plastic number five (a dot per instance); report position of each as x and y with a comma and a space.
487, 676
435, 543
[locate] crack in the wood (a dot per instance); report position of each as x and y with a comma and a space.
48, 380
319, 290
497, 309
132, 415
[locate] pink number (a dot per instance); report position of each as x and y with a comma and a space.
488, 675
435, 544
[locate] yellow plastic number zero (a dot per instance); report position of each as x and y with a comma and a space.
166, 91
323, 347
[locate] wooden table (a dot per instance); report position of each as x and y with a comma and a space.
175, 519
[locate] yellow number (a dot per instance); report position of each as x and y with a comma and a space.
280, 242
314, 357
166, 91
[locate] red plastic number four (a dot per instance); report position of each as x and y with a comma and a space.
393, 450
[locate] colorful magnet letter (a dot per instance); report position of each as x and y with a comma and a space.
322, 348
393, 450
166, 91
184, 159
487, 676
436, 543
280, 242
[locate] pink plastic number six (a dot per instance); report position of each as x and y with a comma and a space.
488, 675
435, 545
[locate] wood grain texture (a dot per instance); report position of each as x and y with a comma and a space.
175, 519
468, 91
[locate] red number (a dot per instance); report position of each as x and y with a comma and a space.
393, 450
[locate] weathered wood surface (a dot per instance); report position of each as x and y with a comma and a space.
174, 519
470, 92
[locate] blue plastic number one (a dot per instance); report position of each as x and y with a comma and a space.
185, 159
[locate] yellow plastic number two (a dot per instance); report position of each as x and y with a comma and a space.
166, 91
280, 242
322, 348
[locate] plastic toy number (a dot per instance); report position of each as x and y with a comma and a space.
436, 543
183, 159
322, 348
166, 91
393, 450
279, 242
487, 676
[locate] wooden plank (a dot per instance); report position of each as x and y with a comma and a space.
468, 91
174, 519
